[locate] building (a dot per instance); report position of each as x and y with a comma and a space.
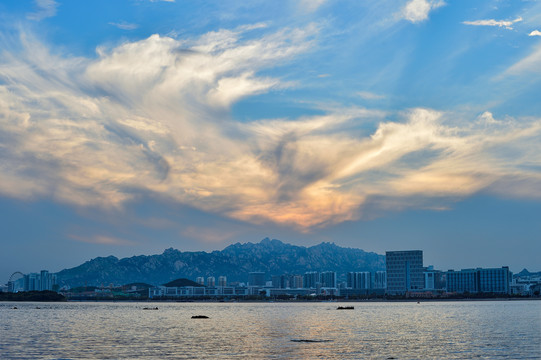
359, 280
200, 280
380, 280
222, 281
296, 282
33, 282
276, 281
493, 280
328, 279
404, 271
211, 281
256, 278
311, 279
434, 279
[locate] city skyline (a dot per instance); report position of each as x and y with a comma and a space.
411, 260
133, 126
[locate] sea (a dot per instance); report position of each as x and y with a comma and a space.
264, 330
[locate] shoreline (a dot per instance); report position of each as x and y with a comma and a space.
275, 301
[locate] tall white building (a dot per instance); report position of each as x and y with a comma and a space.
380, 280
211, 281
359, 280
222, 281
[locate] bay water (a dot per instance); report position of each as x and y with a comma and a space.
304, 330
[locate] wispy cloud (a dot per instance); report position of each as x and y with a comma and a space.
311, 5
508, 24
153, 116
44, 9
535, 33
124, 25
529, 64
370, 95
418, 10
101, 240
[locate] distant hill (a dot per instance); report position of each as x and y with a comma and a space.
182, 282
235, 261
525, 273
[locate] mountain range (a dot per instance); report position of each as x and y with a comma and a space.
273, 257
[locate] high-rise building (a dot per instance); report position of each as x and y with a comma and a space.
222, 281
404, 271
256, 278
200, 280
380, 280
328, 279
311, 279
38, 282
296, 282
45, 280
359, 280
211, 281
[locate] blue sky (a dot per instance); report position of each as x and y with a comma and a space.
127, 127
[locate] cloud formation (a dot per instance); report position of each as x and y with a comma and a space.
153, 117
418, 10
124, 25
311, 5
535, 33
44, 9
508, 24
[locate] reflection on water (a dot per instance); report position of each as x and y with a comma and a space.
429, 330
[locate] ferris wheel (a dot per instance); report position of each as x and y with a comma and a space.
15, 284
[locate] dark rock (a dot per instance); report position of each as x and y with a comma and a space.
200, 317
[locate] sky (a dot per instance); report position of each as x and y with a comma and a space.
131, 126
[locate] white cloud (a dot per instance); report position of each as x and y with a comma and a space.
311, 5
535, 33
124, 25
153, 116
44, 9
491, 22
418, 10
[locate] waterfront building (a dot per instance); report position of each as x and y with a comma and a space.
404, 271
434, 279
492, 280
359, 280
380, 280
311, 279
256, 278
211, 281
34, 282
328, 279
296, 282
222, 281
200, 280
